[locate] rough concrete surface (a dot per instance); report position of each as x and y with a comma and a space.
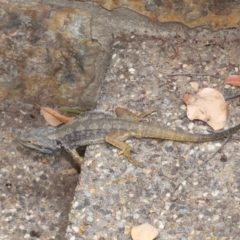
112, 195
35, 195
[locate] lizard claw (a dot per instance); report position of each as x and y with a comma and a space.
126, 153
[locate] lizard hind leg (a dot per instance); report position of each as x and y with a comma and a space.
116, 139
125, 113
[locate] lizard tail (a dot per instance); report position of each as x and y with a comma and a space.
152, 131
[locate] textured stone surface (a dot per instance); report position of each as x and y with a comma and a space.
46, 54
216, 14
112, 195
34, 196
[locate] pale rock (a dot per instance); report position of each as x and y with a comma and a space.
144, 232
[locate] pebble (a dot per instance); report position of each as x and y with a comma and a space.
211, 147
121, 76
132, 70
89, 218
216, 217
183, 107
168, 194
215, 193
75, 229
166, 101
161, 225
205, 194
87, 194
136, 216
190, 125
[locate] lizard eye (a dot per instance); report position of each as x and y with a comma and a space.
29, 141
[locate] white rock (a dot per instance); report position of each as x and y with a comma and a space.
132, 70
144, 232
215, 193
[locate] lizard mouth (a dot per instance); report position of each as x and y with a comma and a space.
42, 149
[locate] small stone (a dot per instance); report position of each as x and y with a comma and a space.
135, 216
132, 70
147, 171
168, 195
211, 147
144, 232
194, 85
92, 190
121, 76
154, 196
184, 182
215, 193
183, 107
190, 125
75, 204
127, 230
205, 194
98, 155
191, 152
166, 101
218, 144
161, 225
89, 218
87, 194
75, 229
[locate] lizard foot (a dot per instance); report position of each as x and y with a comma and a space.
126, 153
143, 116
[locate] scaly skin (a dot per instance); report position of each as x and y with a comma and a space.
98, 127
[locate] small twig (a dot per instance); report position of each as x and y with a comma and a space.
204, 162
235, 138
162, 85
232, 97
190, 74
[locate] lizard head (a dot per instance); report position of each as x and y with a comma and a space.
38, 139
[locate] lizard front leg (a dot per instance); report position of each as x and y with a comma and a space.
73, 152
116, 139
125, 113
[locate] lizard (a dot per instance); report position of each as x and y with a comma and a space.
96, 127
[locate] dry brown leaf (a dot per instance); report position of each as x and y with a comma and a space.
144, 232
53, 117
187, 98
209, 106
233, 80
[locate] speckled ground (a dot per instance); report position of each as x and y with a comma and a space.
112, 195
35, 196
